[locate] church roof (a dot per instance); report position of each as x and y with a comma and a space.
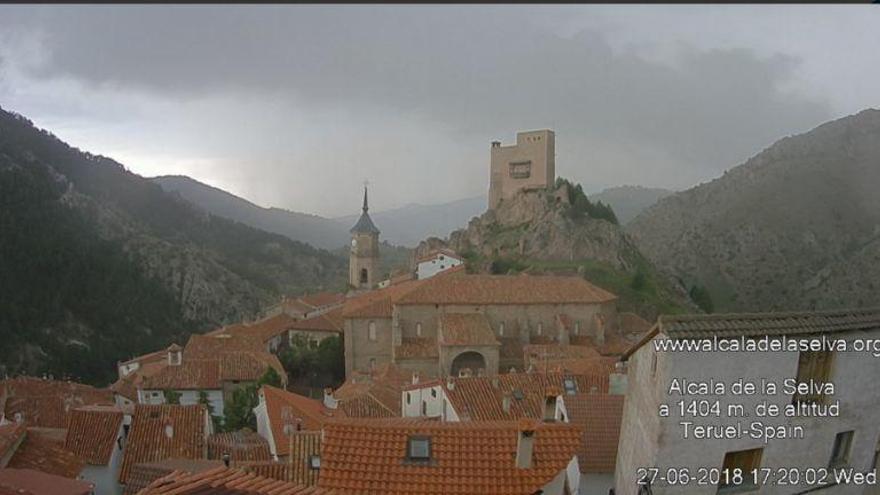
364, 224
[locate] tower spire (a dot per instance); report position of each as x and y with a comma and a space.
365, 197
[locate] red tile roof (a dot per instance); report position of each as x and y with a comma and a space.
286, 408
436, 252
267, 328
241, 446
599, 415
378, 303
11, 436
481, 398
321, 299
465, 329
416, 348
330, 321
224, 480
191, 374
31, 482
43, 450
92, 433
200, 370
163, 432
295, 468
373, 395
505, 289
369, 457
45, 403
143, 474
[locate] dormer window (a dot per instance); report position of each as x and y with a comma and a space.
314, 462
418, 449
570, 386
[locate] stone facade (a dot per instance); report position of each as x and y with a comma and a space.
529, 164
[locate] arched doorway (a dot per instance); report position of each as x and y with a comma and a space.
471, 361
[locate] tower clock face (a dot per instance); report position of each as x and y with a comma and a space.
354, 243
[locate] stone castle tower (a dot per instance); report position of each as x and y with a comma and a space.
528, 164
363, 261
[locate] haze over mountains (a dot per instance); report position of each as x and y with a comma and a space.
796, 226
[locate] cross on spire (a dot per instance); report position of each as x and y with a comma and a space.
366, 183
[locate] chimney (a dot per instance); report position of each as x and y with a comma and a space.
496, 144
450, 383
505, 403
415, 378
330, 402
525, 443
175, 355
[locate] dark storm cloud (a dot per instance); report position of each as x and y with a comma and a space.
473, 72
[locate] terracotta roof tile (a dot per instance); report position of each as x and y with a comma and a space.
373, 395
294, 468
416, 348
241, 446
92, 433
321, 299
225, 480
287, 408
378, 303
369, 457
45, 403
599, 415
330, 321
436, 252
465, 329
505, 289
163, 432
32, 482
143, 474
43, 450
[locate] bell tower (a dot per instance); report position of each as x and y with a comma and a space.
363, 260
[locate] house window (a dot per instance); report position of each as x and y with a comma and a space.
434, 393
424, 408
816, 366
418, 329
418, 448
372, 364
577, 328
314, 462
570, 386
840, 451
442, 258
371, 331
408, 397
520, 170
540, 328
743, 460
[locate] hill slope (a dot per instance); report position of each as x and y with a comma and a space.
98, 264
796, 226
318, 231
628, 201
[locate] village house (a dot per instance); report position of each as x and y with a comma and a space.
160, 432
412, 457
96, 435
281, 414
306, 305
46, 403
848, 439
435, 262
42, 449
208, 370
456, 323
317, 328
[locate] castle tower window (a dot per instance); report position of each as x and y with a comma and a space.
365, 276
521, 170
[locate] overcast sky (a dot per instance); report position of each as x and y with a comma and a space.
295, 106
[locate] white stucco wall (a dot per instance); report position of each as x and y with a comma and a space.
187, 398
106, 477
263, 428
647, 440
435, 265
433, 396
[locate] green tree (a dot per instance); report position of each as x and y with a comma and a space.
639, 280
240, 412
172, 397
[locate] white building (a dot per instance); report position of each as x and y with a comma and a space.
809, 445
435, 262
